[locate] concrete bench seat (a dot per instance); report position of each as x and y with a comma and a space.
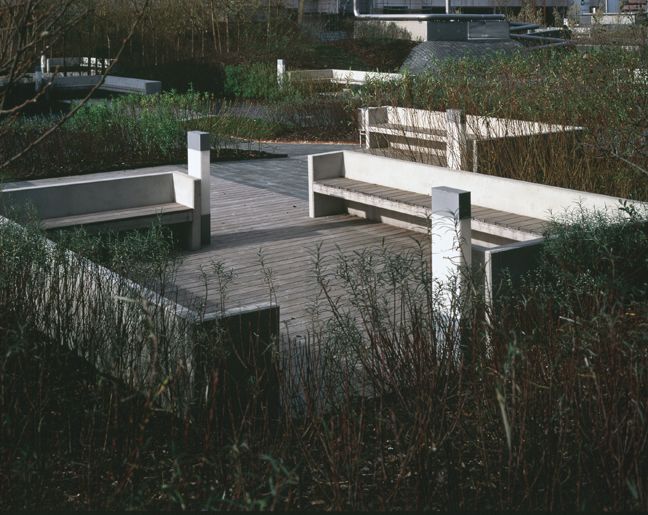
119, 203
124, 219
396, 192
491, 221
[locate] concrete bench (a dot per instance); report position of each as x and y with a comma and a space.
124, 203
341, 76
507, 218
498, 226
112, 83
456, 141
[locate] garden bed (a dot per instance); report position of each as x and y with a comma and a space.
115, 162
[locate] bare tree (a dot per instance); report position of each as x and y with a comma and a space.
27, 28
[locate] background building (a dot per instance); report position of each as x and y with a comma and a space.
340, 7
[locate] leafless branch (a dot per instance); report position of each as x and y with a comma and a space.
87, 97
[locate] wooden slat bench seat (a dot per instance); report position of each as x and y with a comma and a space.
124, 219
486, 220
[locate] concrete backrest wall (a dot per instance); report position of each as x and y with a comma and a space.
518, 197
483, 127
95, 62
91, 196
314, 75
358, 77
416, 118
81, 81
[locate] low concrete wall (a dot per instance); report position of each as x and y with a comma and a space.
107, 319
466, 142
493, 265
587, 19
477, 127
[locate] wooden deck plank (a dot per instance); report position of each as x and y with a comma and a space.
298, 262
245, 219
118, 215
261, 236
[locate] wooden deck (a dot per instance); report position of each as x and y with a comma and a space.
246, 219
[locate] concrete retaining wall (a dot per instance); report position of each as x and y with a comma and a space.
493, 265
110, 320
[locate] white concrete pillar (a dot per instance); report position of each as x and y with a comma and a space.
456, 144
281, 71
451, 233
38, 79
198, 163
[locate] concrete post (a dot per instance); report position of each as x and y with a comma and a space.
451, 232
198, 163
281, 71
456, 146
38, 79
375, 116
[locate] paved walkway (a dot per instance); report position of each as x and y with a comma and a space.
288, 176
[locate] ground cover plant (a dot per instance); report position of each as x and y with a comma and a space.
536, 402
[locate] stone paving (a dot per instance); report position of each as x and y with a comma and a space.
288, 176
